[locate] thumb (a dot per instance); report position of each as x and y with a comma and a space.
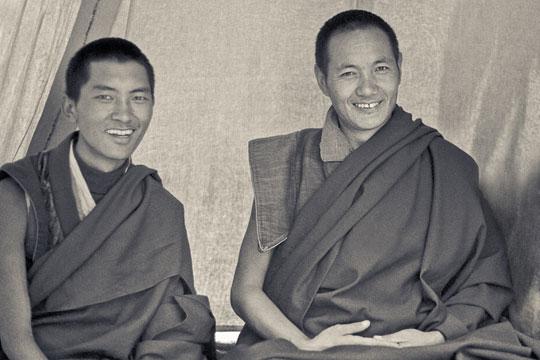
352, 328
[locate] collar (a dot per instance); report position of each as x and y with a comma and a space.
83, 197
334, 145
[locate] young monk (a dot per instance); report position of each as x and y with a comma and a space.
369, 238
94, 256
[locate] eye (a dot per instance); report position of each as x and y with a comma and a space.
347, 74
139, 99
104, 97
382, 68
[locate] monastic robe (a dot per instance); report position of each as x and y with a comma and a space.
398, 234
119, 285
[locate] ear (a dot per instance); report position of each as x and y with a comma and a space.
399, 60
69, 109
321, 80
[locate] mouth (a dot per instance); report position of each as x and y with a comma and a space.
120, 132
367, 105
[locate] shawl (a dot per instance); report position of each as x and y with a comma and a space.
463, 263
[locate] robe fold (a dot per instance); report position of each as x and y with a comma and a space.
398, 234
120, 284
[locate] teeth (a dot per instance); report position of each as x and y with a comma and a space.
366, 106
119, 132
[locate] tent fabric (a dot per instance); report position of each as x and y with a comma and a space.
33, 36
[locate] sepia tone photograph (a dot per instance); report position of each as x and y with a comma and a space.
257, 180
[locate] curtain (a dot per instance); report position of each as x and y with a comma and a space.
33, 37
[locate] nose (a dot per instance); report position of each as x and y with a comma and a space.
366, 87
122, 111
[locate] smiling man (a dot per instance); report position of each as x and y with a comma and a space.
94, 257
369, 238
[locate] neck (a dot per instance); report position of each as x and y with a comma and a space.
105, 167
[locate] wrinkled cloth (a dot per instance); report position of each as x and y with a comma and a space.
120, 284
398, 234
493, 342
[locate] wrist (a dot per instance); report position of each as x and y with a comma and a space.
23, 349
303, 343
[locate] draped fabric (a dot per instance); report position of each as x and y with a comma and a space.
33, 37
399, 235
495, 342
120, 283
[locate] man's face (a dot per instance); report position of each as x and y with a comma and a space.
362, 80
113, 112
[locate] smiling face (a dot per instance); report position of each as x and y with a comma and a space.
112, 113
361, 80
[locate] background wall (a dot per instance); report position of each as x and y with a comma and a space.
233, 70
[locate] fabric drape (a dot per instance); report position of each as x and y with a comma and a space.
399, 223
33, 37
120, 283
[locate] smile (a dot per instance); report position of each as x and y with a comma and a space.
367, 105
120, 132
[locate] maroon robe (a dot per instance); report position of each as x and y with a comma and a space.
397, 234
120, 284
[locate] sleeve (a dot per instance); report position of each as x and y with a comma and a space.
465, 266
488, 290
481, 300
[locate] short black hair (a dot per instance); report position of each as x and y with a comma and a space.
348, 21
111, 48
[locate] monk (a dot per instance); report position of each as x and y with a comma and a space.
369, 238
94, 257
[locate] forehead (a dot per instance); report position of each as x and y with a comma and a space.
121, 74
366, 44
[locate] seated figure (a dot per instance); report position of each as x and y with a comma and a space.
369, 238
94, 256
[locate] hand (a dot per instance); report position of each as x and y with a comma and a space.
342, 334
413, 337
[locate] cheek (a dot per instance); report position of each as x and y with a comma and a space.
342, 92
144, 113
391, 86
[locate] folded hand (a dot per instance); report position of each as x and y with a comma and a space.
413, 337
342, 334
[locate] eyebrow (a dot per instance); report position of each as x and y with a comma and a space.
103, 87
108, 88
141, 89
383, 59
379, 60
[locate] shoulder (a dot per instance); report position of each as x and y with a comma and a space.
280, 140
12, 197
161, 197
453, 161
275, 150
9, 189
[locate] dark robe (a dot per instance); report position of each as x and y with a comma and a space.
397, 234
120, 284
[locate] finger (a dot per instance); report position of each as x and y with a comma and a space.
391, 338
399, 336
360, 340
407, 344
352, 328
